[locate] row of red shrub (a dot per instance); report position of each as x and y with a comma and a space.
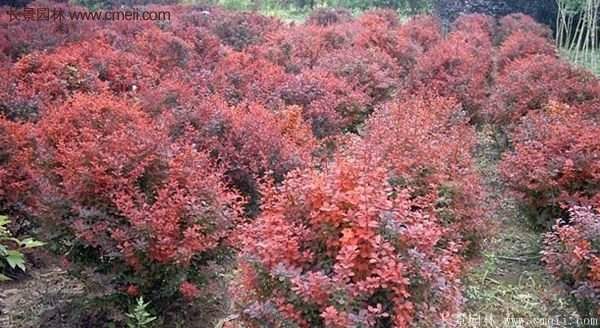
343, 144
550, 111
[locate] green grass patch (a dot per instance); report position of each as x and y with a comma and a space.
590, 61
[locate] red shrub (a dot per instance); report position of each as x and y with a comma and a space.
242, 29
556, 161
15, 151
51, 78
206, 45
184, 214
426, 144
92, 146
572, 255
300, 47
333, 249
426, 31
124, 72
258, 141
185, 112
522, 44
240, 77
250, 141
164, 50
387, 36
369, 70
459, 67
475, 23
521, 23
108, 174
528, 84
328, 103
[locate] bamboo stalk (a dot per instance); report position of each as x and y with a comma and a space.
594, 34
559, 24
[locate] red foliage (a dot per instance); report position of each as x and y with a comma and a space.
555, 161
528, 84
133, 291
164, 50
571, 254
457, 67
522, 44
206, 45
122, 71
328, 103
426, 144
109, 175
177, 94
106, 136
242, 29
300, 47
54, 77
335, 243
240, 77
370, 70
258, 141
478, 23
15, 151
425, 31
521, 23
189, 290
403, 42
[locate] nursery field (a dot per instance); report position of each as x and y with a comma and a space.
203, 167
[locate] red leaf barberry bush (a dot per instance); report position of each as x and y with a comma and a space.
555, 162
340, 248
519, 22
459, 67
146, 210
530, 83
328, 103
427, 144
572, 255
479, 23
522, 44
15, 150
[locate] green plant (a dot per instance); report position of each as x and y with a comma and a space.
577, 30
11, 248
139, 317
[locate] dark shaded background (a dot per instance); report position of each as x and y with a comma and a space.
543, 11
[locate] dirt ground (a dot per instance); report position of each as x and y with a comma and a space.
507, 285
24, 302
